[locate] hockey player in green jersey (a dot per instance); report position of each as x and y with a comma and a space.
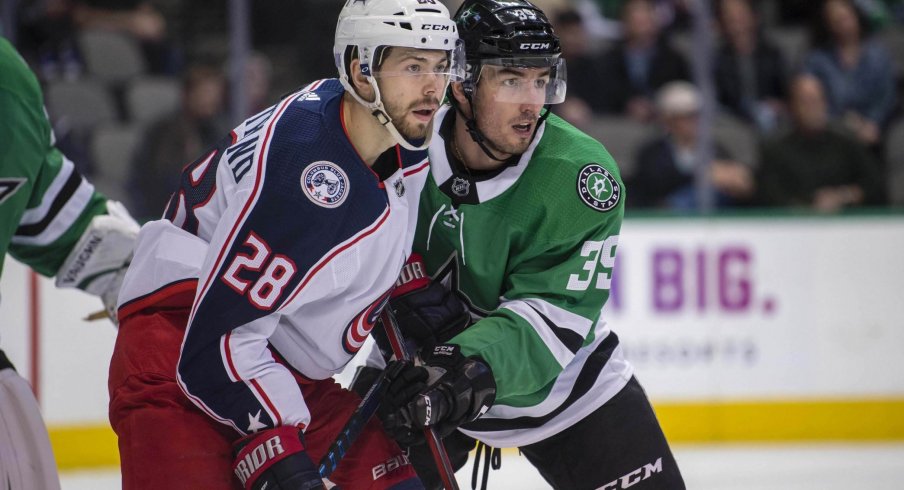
520, 221
52, 220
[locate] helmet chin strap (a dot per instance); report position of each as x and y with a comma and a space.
378, 111
478, 136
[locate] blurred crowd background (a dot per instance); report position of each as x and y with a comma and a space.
762, 103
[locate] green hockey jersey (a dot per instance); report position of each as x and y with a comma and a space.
45, 205
530, 248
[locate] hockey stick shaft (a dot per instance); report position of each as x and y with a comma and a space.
352, 429
440, 457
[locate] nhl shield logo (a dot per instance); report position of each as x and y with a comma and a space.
399, 187
460, 187
598, 188
325, 184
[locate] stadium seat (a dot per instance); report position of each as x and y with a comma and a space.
79, 105
793, 42
892, 37
894, 161
622, 137
111, 57
150, 98
738, 137
112, 147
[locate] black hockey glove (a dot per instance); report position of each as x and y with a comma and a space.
275, 459
427, 313
447, 391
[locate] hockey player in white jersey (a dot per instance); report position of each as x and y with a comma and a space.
272, 261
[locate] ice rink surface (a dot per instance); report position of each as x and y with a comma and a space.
705, 467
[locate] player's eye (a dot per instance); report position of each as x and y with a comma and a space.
413, 68
511, 83
541, 83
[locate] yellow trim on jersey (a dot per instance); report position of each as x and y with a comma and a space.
687, 422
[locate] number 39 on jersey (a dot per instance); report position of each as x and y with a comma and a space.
598, 254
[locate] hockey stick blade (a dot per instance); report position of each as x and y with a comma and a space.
440, 457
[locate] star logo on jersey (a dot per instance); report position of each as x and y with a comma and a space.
254, 422
449, 275
8, 187
325, 184
598, 188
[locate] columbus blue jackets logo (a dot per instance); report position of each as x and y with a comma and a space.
325, 184
598, 188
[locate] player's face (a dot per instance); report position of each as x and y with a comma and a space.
412, 83
508, 103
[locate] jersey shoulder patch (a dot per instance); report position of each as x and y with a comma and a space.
598, 188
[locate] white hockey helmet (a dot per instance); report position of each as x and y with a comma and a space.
365, 27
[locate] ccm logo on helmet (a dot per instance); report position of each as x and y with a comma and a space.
436, 27
534, 46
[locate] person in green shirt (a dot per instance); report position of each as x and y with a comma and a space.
518, 228
52, 220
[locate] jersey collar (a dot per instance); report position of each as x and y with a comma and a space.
485, 189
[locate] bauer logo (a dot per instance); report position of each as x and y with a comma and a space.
598, 188
325, 184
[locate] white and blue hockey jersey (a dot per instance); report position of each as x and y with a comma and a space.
291, 244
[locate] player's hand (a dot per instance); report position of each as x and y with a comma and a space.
275, 459
446, 391
427, 313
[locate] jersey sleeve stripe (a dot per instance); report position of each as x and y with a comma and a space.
417, 169
559, 336
260, 394
569, 338
204, 408
39, 223
35, 215
158, 296
335, 251
62, 216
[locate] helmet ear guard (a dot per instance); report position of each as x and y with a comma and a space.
365, 27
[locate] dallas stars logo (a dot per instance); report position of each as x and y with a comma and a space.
598, 188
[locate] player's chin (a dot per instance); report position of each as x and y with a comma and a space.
416, 131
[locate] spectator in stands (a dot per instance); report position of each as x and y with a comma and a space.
584, 96
46, 39
258, 77
666, 166
814, 165
138, 18
856, 71
639, 65
750, 72
176, 140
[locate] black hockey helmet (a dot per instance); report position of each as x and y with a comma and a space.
505, 29
509, 34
